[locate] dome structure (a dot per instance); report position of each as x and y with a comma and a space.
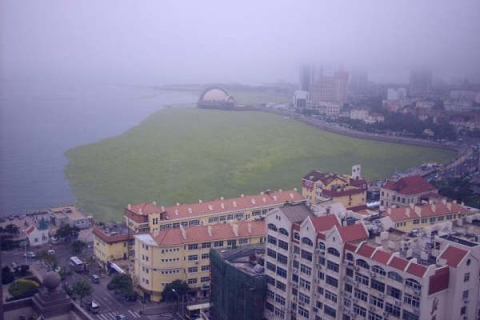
216, 97
51, 281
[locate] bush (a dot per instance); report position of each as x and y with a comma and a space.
23, 288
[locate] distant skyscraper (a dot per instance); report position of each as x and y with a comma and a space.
329, 87
306, 77
420, 81
359, 82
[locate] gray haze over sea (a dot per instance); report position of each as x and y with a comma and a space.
40, 121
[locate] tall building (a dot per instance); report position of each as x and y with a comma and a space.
238, 284
359, 82
329, 88
420, 82
318, 268
306, 77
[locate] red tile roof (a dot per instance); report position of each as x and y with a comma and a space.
325, 223
144, 208
239, 204
416, 269
221, 231
409, 185
350, 247
439, 280
454, 256
398, 263
366, 250
425, 211
30, 230
381, 256
324, 177
353, 232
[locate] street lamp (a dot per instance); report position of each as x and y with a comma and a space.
178, 301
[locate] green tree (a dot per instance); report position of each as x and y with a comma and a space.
121, 283
49, 259
7, 275
82, 289
66, 231
11, 228
77, 246
180, 287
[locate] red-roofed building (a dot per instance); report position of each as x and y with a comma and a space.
453, 256
405, 191
183, 253
351, 190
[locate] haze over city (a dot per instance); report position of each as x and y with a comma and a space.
247, 41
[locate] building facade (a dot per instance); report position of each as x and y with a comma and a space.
351, 190
183, 253
319, 269
405, 191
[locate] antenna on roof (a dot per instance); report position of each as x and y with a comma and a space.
178, 204
200, 201
154, 203
190, 210
221, 198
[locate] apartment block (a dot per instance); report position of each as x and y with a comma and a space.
319, 268
351, 191
183, 253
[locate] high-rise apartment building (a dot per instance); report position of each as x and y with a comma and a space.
329, 88
319, 268
420, 82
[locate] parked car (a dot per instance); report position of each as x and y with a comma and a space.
54, 240
93, 307
95, 278
29, 254
51, 251
121, 317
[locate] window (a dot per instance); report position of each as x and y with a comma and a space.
205, 256
374, 316
270, 294
296, 249
363, 264
379, 270
377, 285
272, 227
280, 299
281, 286
218, 244
283, 231
348, 287
376, 302
193, 246
416, 221
463, 310
206, 245
271, 253
361, 278
334, 252
321, 246
411, 300
282, 259
330, 311
296, 264
272, 240
305, 269
359, 294
395, 276
306, 255
394, 292
206, 268
232, 243
270, 280
303, 298
282, 272
332, 266
307, 241
283, 245
321, 275
413, 284
192, 281
304, 284
465, 294
280, 313
193, 257
359, 310
303, 312
192, 269
205, 279
393, 310
271, 267
332, 281
212, 219
349, 272
296, 236
466, 277
269, 306
330, 296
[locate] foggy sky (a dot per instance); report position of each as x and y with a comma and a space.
235, 41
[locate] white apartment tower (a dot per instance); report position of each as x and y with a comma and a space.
318, 269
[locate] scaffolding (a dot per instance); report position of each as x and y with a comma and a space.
236, 293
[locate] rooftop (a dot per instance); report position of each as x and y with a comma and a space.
425, 211
239, 204
296, 213
409, 185
242, 258
112, 235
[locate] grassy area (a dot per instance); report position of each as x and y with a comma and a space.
184, 154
